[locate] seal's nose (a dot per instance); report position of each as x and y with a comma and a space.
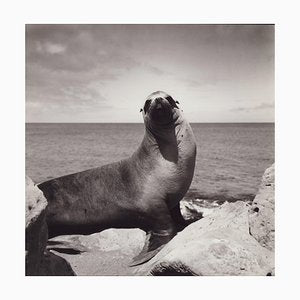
158, 103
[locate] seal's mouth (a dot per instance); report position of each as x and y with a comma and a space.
161, 111
160, 108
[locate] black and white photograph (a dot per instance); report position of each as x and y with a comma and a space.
150, 149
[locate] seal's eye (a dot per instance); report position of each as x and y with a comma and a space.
147, 105
172, 102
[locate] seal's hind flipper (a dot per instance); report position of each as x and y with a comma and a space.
153, 244
144, 256
67, 247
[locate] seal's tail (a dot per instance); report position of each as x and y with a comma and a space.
153, 244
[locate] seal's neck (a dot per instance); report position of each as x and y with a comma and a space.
163, 140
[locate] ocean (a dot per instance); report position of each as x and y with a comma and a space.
231, 157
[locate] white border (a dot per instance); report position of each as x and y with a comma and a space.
15, 14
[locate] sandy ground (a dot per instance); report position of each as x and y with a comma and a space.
106, 253
98, 263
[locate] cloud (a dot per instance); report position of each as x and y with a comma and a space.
67, 64
50, 48
191, 82
80, 48
154, 70
262, 106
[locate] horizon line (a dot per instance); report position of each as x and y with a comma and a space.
266, 122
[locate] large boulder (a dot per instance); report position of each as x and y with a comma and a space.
36, 234
262, 212
39, 261
219, 244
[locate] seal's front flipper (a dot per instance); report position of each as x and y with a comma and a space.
155, 241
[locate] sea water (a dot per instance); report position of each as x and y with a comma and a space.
231, 157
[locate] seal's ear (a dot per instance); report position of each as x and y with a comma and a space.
141, 110
172, 101
147, 105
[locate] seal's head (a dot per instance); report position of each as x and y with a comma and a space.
160, 109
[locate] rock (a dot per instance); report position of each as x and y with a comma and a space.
106, 253
36, 203
262, 211
196, 209
218, 244
54, 265
36, 228
190, 211
39, 261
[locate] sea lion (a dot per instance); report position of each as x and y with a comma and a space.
142, 191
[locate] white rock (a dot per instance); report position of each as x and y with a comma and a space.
262, 211
219, 244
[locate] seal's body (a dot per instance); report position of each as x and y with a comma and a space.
142, 191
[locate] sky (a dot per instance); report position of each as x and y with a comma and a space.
103, 73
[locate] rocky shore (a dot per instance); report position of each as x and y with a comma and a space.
232, 239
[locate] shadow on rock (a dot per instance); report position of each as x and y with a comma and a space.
54, 265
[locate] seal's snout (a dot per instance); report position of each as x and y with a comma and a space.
159, 103
158, 100
160, 111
